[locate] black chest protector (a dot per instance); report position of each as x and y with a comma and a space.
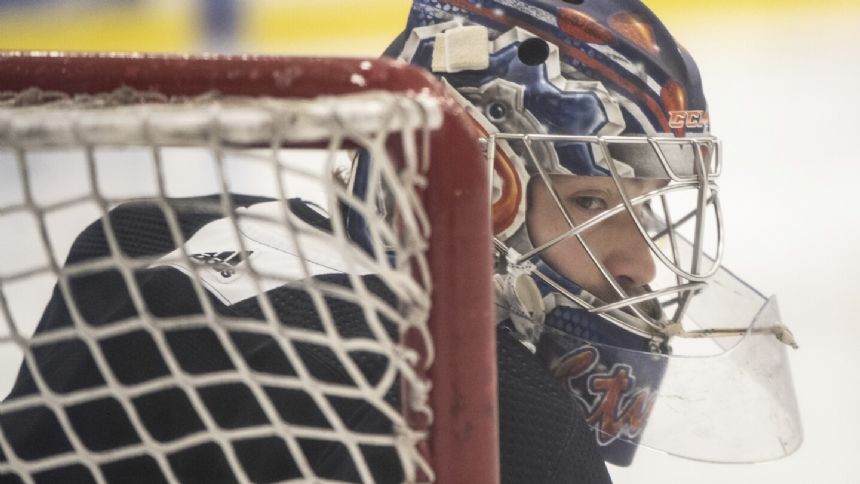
543, 438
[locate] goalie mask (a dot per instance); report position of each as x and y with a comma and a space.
607, 222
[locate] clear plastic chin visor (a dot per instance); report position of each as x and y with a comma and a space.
728, 399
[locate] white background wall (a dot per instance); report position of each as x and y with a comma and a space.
783, 97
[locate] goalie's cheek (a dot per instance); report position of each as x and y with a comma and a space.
569, 258
615, 243
546, 222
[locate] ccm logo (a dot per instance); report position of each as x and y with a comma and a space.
688, 119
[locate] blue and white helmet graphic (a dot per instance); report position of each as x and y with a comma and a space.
607, 222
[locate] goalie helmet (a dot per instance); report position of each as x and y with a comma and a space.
607, 222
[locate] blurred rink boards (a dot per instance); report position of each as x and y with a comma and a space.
329, 27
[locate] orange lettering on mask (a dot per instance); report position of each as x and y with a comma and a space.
615, 414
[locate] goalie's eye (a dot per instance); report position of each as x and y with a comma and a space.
590, 203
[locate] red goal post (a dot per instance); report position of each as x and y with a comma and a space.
463, 438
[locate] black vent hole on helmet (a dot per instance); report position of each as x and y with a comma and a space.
497, 112
575, 2
533, 52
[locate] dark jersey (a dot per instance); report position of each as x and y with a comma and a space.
543, 437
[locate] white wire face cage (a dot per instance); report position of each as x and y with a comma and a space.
690, 322
662, 188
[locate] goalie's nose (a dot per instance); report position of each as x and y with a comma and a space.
627, 257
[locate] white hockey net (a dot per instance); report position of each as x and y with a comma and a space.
180, 319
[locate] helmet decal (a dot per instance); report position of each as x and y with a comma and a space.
675, 100
595, 50
635, 29
580, 26
615, 405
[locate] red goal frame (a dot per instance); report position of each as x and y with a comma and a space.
463, 443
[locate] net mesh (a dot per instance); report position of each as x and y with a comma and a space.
194, 333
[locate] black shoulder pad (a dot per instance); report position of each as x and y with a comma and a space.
543, 435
